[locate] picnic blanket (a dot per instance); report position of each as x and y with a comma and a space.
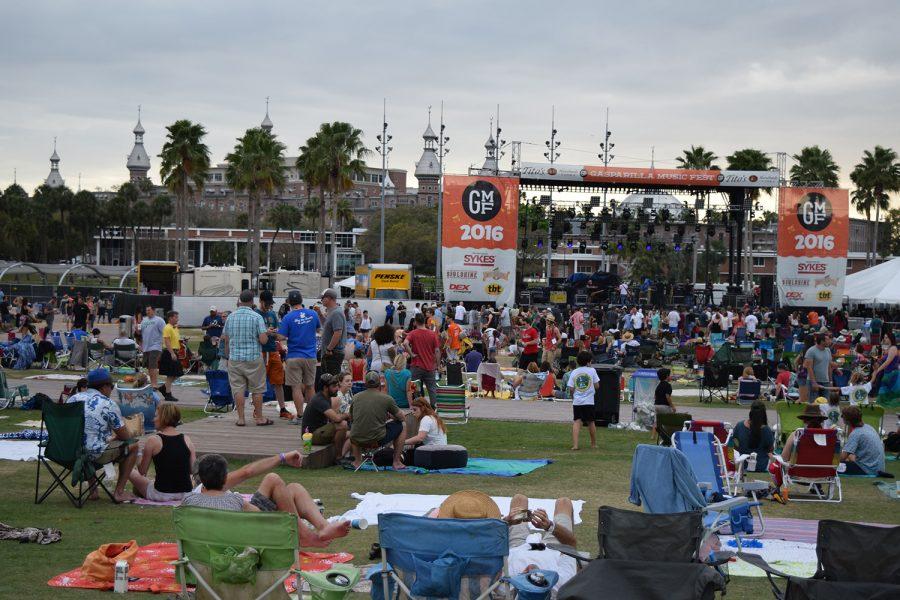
18, 449
792, 557
145, 502
25, 434
150, 570
479, 466
372, 504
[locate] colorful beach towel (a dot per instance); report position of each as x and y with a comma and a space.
479, 466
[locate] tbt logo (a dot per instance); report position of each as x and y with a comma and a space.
493, 289
482, 201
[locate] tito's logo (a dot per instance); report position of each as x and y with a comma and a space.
482, 201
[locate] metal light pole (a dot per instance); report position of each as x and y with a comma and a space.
384, 150
606, 146
551, 154
442, 152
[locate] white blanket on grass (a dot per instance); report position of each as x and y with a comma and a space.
372, 504
794, 558
18, 449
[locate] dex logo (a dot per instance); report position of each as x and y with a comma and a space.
482, 201
460, 287
814, 212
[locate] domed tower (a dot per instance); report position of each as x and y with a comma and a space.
491, 165
267, 124
138, 161
428, 169
54, 179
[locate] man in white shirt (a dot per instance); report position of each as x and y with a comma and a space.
460, 314
750, 322
623, 292
727, 321
674, 318
637, 320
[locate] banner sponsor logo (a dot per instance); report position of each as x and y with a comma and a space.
495, 274
460, 287
479, 260
493, 289
460, 274
813, 238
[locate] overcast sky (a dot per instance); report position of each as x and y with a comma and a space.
772, 75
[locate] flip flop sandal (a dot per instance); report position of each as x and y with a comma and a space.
266, 422
240, 424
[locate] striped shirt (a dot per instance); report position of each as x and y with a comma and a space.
242, 329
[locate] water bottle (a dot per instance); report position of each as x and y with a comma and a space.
307, 441
120, 583
751, 462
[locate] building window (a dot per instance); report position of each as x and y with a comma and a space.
759, 261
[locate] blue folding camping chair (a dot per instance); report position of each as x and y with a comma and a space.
748, 391
662, 480
443, 558
219, 390
706, 457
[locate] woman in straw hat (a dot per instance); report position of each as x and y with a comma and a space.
812, 418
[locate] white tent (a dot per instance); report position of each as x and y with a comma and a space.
350, 282
876, 285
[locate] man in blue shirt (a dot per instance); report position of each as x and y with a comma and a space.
389, 313
105, 433
299, 328
213, 324
270, 350
244, 331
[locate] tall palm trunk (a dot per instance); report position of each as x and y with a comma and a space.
320, 251
252, 238
878, 192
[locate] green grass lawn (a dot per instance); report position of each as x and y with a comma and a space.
598, 476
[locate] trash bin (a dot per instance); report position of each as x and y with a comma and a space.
608, 395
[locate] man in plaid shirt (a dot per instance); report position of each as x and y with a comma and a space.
244, 331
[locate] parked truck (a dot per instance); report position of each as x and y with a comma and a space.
281, 282
384, 281
214, 281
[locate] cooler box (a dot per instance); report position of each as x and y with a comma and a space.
608, 396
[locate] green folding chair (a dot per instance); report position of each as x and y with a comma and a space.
64, 456
450, 404
8, 396
787, 419
246, 555
873, 415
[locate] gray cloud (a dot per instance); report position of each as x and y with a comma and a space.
770, 75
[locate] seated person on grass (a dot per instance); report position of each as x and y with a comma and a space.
376, 421
432, 430
105, 434
172, 455
863, 452
813, 419
273, 494
782, 381
753, 434
326, 425
470, 504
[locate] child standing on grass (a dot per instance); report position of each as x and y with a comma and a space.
583, 383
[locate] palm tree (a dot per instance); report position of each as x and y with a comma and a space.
330, 160
185, 161
698, 158
344, 212
310, 211
749, 159
815, 164
256, 166
160, 211
879, 172
283, 216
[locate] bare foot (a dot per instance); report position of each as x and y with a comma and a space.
123, 496
574, 448
399, 466
95, 495
334, 530
594, 446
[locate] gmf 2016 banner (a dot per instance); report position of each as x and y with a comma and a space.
479, 231
813, 236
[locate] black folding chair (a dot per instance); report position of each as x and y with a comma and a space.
854, 562
64, 456
646, 556
666, 426
714, 382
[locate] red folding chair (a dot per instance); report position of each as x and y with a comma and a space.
814, 466
702, 354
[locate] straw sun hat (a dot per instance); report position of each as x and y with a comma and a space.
811, 411
469, 504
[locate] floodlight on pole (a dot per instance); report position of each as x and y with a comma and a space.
384, 150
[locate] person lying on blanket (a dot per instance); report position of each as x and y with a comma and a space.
273, 494
525, 554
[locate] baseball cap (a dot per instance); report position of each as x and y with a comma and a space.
294, 297
212, 309
373, 379
330, 293
98, 376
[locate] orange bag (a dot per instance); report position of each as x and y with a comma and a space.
101, 563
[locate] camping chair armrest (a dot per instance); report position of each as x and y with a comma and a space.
719, 558
571, 551
740, 458
780, 460
180, 561
726, 505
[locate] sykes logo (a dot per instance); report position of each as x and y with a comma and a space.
811, 268
479, 260
389, 276
794, 295
460, 287
459, 274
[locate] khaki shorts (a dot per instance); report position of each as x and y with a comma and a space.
300, 371
274, 368
247, 375
519, 532
324, 435
115, 451
151, 359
